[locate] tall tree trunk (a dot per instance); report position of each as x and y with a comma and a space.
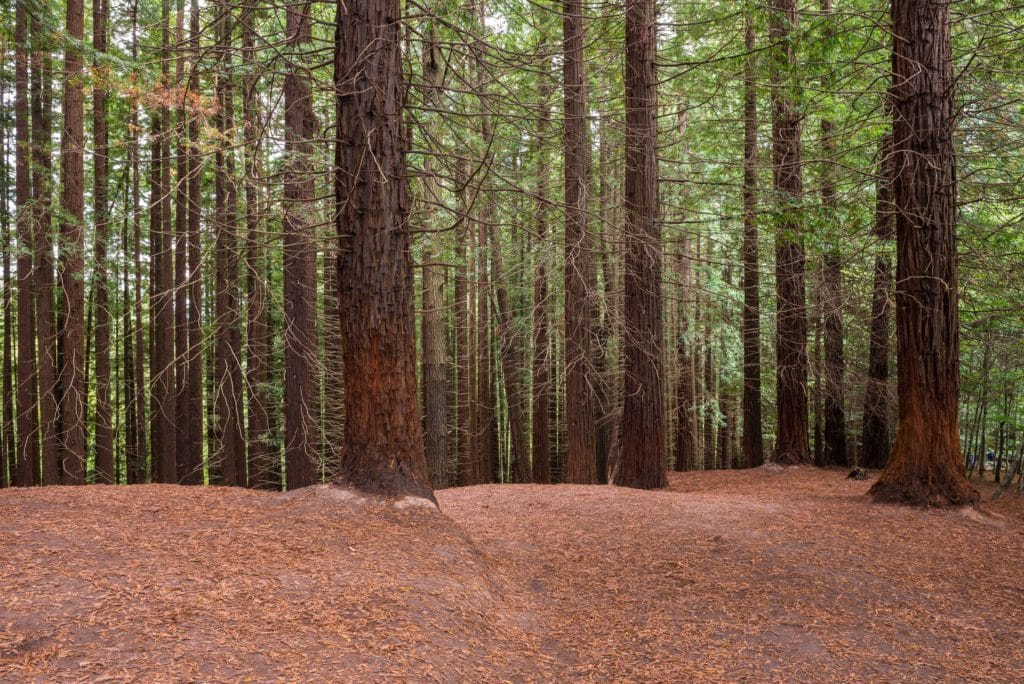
162, 397
925, 466
753, 442
832, 288
579, 276
875, 433
384, 438
7, 437
257, 351
464, 394
686, 424
642, 461
227, 359
512, 371
28, 417
72, 253
542, 371
791, 445
105, 470
301, 439
43, 266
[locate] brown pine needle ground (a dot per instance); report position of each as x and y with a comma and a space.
787, 575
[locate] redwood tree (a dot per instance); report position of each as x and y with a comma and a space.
792, 446
642, 460
753, 442
925, 467
300, 418
28, 416
383, 450
579, 286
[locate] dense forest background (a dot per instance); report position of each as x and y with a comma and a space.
169, 236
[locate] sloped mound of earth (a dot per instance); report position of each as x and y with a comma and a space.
778, 574
166, 583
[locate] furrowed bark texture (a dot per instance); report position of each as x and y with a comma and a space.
642, 460
792, 446
300, 412
579, 286
925, 467
384, 437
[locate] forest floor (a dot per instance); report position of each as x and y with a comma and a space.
761, 575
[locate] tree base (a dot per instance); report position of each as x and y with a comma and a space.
923, 494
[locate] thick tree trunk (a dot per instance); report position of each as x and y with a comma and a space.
105, 471
383, 438
642, 460
579, 274
162, 398
257, 341
791, 445
227, 329
43, 267
301, 410
753, 441
925, 467
28, 417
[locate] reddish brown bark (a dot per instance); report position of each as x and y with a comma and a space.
925, 467
383, 438
46, 326
791, 444
257, 353
8, 449
642, 461
301, 410
161, 318
228, 381
28, 417
579, 273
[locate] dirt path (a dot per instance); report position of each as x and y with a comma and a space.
789, 575
762, 575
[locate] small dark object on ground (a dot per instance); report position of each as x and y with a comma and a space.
857, 474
